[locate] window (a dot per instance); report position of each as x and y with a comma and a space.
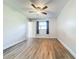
42, 25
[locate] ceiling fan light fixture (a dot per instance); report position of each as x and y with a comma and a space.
40, 9
38, 12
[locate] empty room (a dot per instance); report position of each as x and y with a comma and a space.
39, 29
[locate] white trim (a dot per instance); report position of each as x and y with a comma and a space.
42, 37
14, 43
67, 48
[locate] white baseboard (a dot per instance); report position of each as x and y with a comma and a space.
43, 37
14, 43
67, 48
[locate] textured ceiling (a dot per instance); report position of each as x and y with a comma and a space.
24, 6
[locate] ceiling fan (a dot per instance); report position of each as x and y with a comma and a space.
38, 8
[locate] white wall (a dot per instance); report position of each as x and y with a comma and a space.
30, 29
14, 26
52, 31
66, 27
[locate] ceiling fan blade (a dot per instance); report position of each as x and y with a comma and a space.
32, 11
33, 5
44, 7
44, 13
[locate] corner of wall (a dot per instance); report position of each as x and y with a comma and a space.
67, 48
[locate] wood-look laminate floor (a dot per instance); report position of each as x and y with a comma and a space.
38, 49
